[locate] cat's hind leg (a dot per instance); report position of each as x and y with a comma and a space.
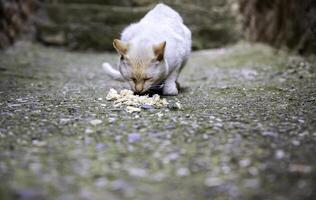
111, 72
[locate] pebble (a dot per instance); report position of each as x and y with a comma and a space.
101, 182
146, 107
95, 122
296, 142
253, 171
174, 106
252, 183
137, 172
119, 184
88, 130
160, 114
39, 143
213, 181
244, 162
300, 168
279, 154
100, 146
64, 120
133, 137
131, 109
159, 176
111, 120
183, 172
268, 133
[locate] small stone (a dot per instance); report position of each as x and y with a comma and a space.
179, 105
146, 107
95, 122
88, 130
253, 171
268, 133
213, 181
252, 183
14, 104
300, 168
39, 143
244, 162
64, 120
111, 120
137, 172
226, 169
131, 109
100, 146
101, 182
117, 138
296, 142
279, 154
133, 137
159, 176
218, 125
21, 100
119, 184
183, 172
174, 106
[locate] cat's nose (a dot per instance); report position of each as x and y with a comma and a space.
138, 91
138, 88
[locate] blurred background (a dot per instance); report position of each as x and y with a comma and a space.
92, 24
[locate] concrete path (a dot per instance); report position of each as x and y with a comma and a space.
247, 129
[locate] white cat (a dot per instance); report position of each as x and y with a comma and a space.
153, 51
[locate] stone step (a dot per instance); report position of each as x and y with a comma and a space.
79, 37
77, 13
105, 2
210, 27
199, 3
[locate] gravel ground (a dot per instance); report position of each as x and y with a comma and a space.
246, 129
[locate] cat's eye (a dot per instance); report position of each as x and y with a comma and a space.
155, 62
147, 79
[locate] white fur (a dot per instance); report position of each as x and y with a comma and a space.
160, 24
113, 73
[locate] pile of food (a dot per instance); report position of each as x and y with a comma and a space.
134, 103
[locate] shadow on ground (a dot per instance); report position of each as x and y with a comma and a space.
247, 129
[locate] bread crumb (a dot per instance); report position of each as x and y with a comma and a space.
159, 114
134, 102
131, 109
179, 105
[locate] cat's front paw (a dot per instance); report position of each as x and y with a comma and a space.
170, 90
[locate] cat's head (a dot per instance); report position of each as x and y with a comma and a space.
141, 65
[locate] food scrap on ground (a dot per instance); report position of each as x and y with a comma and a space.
134, 103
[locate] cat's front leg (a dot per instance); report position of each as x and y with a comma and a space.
170, 86
170, 89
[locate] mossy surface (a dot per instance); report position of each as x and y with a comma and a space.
247, 129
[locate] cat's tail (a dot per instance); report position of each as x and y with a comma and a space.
113, 73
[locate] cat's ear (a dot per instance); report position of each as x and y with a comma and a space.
120, 46
159, 50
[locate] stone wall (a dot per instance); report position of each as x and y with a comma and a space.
14, 15
281, 23
93, 24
